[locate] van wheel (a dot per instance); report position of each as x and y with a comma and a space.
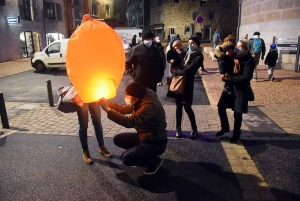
39, 66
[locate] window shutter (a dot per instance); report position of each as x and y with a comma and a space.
21, 9
45, 6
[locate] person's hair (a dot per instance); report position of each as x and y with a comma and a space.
245, 44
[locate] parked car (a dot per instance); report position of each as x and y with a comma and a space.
53, 56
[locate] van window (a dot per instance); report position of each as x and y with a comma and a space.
54, 48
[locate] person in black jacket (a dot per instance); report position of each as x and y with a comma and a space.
271, 61
133, 41
224, 56
241, 92
144, 62
192, 61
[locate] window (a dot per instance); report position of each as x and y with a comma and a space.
158, 17
195, 15
95, 9
187, 31
107, 11
176, 1
55, 48
211, 15
49, 10
2, 2
203, 2
59, 12
25, 10
77, 15
77, 2
159, 3
172, 31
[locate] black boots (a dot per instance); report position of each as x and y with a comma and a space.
222, 132
178, 132
194, 133
235, 137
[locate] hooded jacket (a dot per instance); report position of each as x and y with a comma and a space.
149, 118
271, 58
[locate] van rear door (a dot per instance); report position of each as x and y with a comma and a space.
54, 56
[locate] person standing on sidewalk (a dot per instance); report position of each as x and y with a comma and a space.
216, 38
144, 112
192, 61
258, 50
144, 63
83, 120
241, 84
271, 61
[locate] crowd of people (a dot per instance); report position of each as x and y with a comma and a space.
146, 64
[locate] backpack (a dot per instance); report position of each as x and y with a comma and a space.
257, 45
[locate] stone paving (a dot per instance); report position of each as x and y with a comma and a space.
279, 100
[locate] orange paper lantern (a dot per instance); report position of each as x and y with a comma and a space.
95, 60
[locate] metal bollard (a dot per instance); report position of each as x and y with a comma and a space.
3, 113
50, 95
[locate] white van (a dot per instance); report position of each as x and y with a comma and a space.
53, 56
128, 32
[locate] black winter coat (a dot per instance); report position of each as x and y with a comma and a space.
145, 65
271, 58
241, 83
189, 73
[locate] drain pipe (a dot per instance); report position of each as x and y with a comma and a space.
3, 113
239, 22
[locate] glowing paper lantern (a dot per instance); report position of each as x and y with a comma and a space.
95, 60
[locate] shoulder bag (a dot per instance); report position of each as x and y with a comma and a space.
177, 84
69, 101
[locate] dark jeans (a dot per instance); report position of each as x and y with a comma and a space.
238, 117
83, 120
137, 153
188, 109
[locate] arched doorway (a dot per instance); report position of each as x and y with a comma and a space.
30, 43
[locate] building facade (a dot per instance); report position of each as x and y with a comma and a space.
272, 18
112, 12
26, 26
172, 17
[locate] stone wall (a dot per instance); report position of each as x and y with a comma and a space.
280, 18
179, 16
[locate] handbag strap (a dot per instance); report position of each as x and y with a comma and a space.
63, 90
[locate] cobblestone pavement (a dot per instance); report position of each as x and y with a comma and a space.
278, 100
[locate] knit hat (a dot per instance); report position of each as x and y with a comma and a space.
135, 89
176, 42
256, 33
147, 33
273, 46
195, 39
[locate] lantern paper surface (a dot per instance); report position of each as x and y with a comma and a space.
95, 60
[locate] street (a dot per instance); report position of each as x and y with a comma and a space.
30, 86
